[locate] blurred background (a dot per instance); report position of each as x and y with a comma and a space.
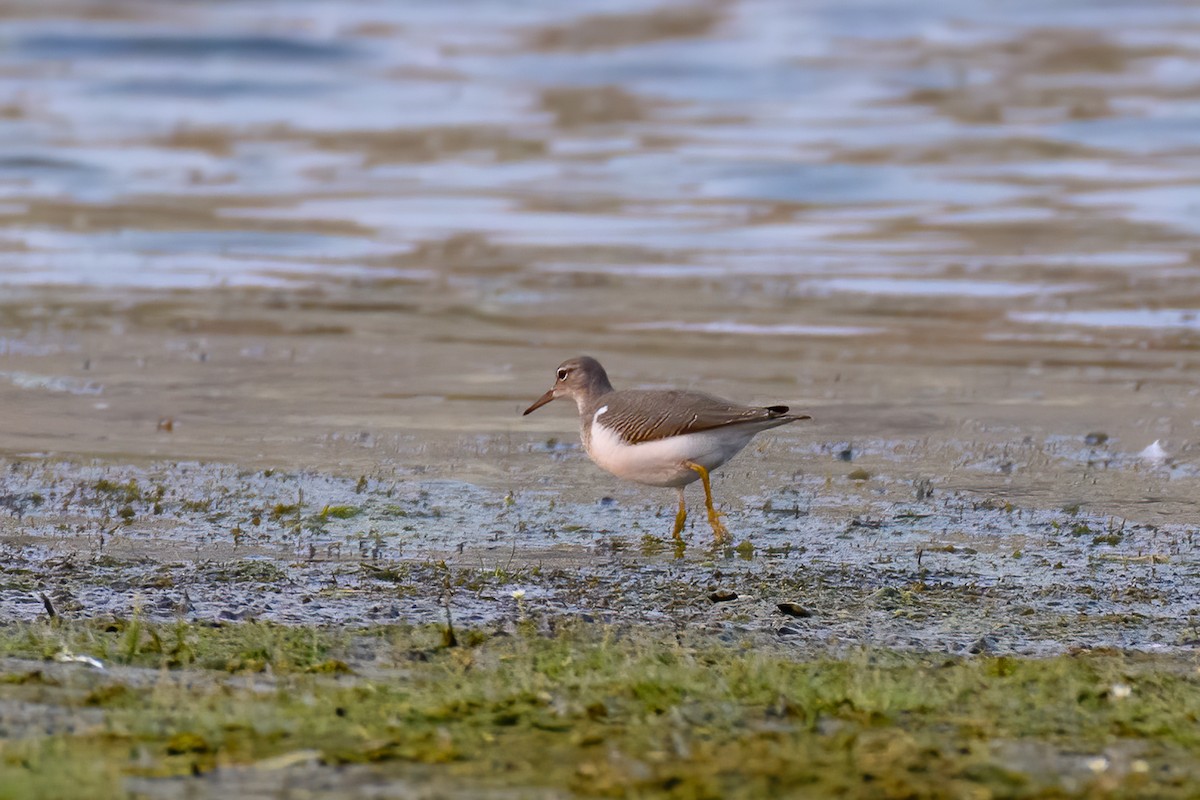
345, 233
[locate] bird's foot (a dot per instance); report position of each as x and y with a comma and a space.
721, 533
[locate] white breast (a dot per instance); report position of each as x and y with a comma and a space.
661, 462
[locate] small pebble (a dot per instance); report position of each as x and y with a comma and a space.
983, 645
794, 610
722, 595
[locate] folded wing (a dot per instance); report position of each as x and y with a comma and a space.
646, 416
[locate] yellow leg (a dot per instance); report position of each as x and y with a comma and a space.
714, 516
680, 518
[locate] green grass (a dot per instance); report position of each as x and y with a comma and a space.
599, 711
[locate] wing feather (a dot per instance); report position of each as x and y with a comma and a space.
639, 416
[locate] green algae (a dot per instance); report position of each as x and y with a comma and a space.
339, 512
598, 711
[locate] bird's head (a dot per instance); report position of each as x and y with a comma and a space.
580, 378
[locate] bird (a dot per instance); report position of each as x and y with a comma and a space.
660, 437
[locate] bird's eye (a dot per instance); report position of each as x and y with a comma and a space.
562, 374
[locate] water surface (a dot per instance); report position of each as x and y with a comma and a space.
339, 235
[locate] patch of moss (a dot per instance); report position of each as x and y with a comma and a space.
339, 512
126, 493
108, 695
604, 711
281, 510
187, 742
264, 572
330, 666
399, 572
393, 510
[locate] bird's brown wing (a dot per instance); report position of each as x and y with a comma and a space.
649, 415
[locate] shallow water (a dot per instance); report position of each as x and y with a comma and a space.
356, 238
873, 562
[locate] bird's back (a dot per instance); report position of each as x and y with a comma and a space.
647, 415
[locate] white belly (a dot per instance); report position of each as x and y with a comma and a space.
661, 462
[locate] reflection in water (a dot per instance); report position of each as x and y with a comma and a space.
935, 288
741, 328
283, 226
1119, 318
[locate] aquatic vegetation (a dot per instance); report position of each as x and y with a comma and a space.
598, 710
339, 512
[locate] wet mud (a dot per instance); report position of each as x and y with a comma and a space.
819, 562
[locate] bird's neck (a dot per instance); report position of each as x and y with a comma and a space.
592, 397
587, 415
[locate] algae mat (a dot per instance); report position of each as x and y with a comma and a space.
543, 707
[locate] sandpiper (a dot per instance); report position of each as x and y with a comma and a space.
660, 437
